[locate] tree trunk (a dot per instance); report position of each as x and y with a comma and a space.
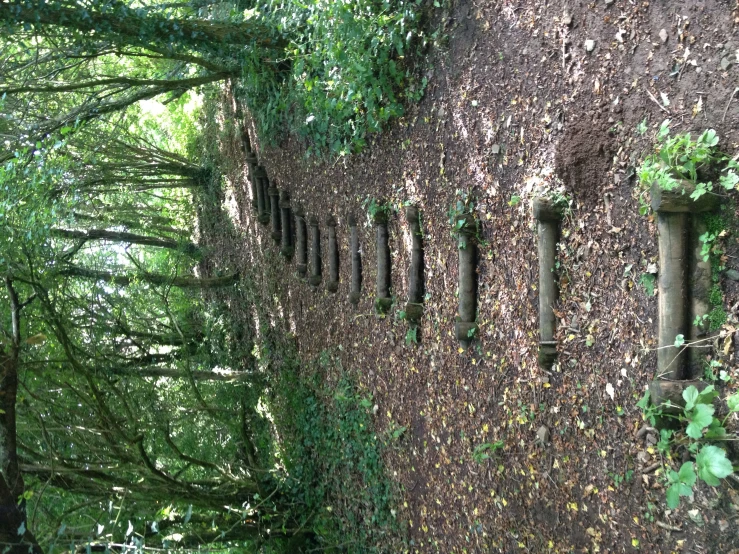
131, 27
14, 535
119, 236
170, 373
152, 278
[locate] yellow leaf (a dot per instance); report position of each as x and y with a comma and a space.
503, 500
36, 339
460, 350
635, 543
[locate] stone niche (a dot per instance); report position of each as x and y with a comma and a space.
684, 288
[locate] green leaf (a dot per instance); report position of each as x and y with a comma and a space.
713, 464
514, 200
642, 127
687, 474
707, 395
673, 496
664, 130
679, 341
701, 417
690, 395
729, 181
648, 280
709, 138
644, 402
733, 402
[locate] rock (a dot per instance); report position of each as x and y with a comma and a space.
732, 274
609, 2
542, 436
495, 149
567, 19
725, 63
589, 45
663, 35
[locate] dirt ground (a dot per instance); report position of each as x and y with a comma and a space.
516, 104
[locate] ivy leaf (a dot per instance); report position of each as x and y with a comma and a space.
701, 417
713, 464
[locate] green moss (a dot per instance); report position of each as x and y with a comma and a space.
716, 318
716, 297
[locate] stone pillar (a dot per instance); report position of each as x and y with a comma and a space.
547, 216
301, 239
356, 289
414, 306
287, 229
259, 175
315, 277
333, 256
383, 301
274, 203
466, 328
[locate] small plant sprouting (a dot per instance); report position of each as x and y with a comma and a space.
486, 451
648, 280
376, 209
680, 158
411, 336
642, 127
711, 463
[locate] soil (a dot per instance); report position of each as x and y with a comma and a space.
515, 105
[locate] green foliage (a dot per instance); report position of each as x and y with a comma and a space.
701, 427
349, 70
411, 335
461, 216
376, 209
486, 450
648, 281
333, 455
680, 157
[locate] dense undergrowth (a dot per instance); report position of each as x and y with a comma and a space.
348, 70
332, 456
